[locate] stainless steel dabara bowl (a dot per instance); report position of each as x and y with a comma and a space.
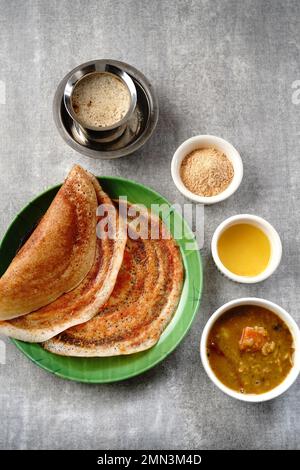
99, 134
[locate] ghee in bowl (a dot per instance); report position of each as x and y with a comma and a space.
246, 248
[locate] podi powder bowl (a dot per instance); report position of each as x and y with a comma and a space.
99, 134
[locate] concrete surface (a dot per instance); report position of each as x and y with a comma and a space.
224, 67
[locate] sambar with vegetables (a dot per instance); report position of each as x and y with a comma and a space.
250, 349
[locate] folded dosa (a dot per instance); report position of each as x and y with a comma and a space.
83, 302
59, 253
144, 299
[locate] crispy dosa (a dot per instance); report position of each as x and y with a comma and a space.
144, 299
59, 253
82, 303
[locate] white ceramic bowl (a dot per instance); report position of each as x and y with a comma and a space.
267, 228
290, 378
204, 141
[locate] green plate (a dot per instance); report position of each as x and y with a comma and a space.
111, 369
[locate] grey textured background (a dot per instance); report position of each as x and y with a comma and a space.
224, 68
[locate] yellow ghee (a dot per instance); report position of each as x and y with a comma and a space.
244, 249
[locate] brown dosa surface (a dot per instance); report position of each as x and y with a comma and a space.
82, 303
144, 299
59, 253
